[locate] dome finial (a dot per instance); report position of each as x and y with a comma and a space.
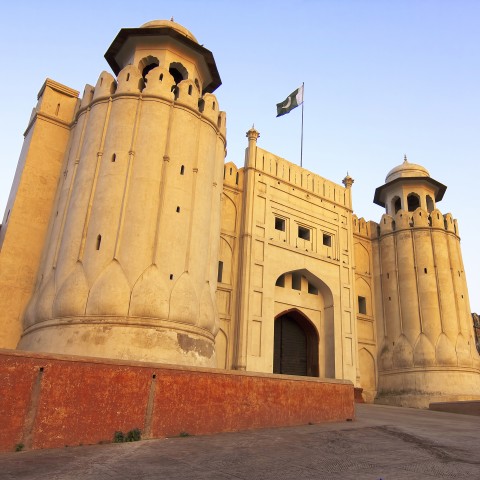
172, 20
405, 158
348, 181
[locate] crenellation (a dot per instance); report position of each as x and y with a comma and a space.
188, 94
403, 220
297, 176
420, 218
88, 93
159, 83
449, 223
105, 87
387, 224
129, 80
211, 107
233, 176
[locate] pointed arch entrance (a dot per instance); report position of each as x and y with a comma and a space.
295, 345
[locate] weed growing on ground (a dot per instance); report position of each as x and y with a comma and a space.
132, 436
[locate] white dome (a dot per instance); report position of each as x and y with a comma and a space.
406, 169
170, 24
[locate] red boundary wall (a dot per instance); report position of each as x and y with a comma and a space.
49, 401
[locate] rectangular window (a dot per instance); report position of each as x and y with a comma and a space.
296, 281
303, 233
220, 272
362, 305
280, 224
327, 240
312, 289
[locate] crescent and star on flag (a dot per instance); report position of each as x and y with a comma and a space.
292, 101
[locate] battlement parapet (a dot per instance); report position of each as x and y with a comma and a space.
420, 218
294, 174
364, 228
233, 176
157, 83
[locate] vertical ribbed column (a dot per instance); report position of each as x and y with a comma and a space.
392, 326
142, 208
424, 352
445, 347
411, 328
245, 246
462, 345
83, 189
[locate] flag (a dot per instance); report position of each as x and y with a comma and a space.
293, 100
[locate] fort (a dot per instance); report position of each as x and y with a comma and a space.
127, 238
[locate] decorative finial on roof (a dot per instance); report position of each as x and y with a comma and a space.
348, 181
253, 134
405, 158
172, 20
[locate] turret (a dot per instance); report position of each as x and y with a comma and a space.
130, 268
426, 340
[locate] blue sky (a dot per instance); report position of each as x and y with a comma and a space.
382, 79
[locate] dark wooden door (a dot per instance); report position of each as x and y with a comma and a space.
290, 347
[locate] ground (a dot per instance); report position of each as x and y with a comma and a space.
383, 442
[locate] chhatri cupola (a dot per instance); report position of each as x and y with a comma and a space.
408, 187
170, 45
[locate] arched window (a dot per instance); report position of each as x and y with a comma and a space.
178, 72
413, 201
430, 204
396, 204
147, 64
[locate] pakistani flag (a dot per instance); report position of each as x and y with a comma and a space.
293, 100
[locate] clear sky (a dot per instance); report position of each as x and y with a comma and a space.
383, 78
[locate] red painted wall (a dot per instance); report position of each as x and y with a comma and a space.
49, 401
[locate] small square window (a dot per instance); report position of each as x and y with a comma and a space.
312, 289
280, 224
327, 240
362, 305
304, 233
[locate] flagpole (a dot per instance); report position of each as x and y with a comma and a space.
301, 138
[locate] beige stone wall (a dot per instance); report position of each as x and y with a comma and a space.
366, 314
29, 208
228, 286
274, 188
